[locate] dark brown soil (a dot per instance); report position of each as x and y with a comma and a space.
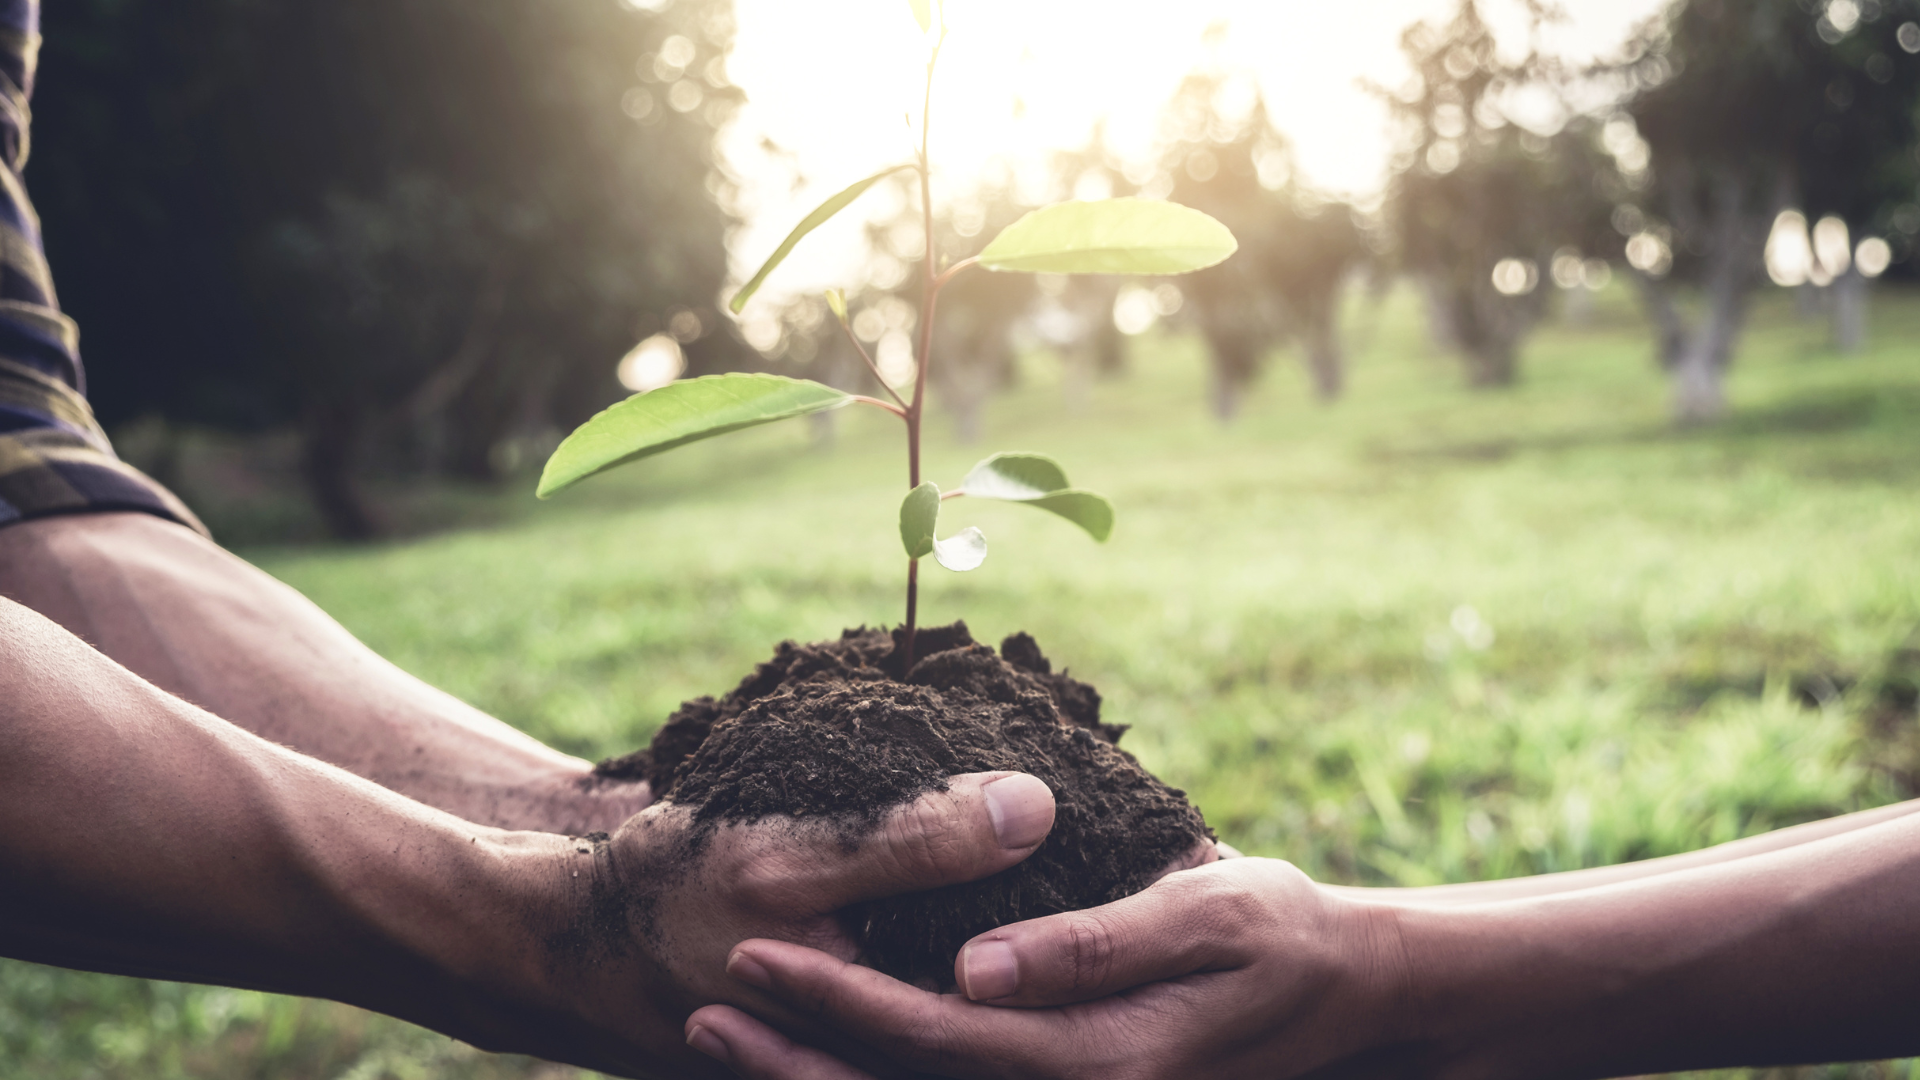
833, 731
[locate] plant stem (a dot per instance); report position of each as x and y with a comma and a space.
878, 404
929, 295
873, 367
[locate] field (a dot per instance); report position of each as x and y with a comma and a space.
1424, 635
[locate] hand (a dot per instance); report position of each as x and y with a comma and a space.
1241, 967
655, 913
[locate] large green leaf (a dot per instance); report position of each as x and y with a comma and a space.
1038, 480
811, 222
1110, 236
919, 513
677, 414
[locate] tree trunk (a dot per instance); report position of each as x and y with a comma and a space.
1850, 311
332, 441
1490, 363
1577, 305
1698, 395
1809, 300
1322, 344
1738, 225
1078, 364
1109, 347
1234, 359
1443, 328
1669, 330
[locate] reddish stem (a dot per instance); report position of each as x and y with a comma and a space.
878, 404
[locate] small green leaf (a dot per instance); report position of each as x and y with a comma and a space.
837, 300
962, 551
1086, 509
922, 14
919, 513
1016, 475
1110, 236
811, 222
1038, 480
677, 414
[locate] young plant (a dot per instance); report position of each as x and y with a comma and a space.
1111, 236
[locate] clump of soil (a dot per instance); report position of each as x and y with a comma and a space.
835, 731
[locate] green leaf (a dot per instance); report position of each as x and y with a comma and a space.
1111, 236
962, 551
677, 414
919, 513
811, 222
922, 14
1089, 510
1038, 480
1015, 475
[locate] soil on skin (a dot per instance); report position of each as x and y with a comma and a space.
836, 732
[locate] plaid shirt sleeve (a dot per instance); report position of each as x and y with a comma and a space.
54, 459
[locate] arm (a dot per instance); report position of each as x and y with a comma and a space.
1245, 968
1481, 892
142, 835
192, 619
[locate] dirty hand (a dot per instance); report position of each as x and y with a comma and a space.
655, 911
1241, 967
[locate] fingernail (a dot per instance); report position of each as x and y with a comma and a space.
1021, 809
749, 971
988, 970
709, 1044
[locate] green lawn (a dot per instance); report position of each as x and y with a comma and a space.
1424, 635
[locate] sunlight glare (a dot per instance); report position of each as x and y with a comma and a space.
838, 96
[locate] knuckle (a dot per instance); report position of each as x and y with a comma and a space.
1088, 952
922, 841
1214, 904
927, 1039
766, 879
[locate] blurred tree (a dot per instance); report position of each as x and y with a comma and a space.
1749, 108
1478, 205
1224, 157
427, 221
1860, 160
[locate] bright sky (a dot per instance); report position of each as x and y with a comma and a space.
832, 83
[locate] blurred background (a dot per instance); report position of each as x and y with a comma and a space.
1535, 489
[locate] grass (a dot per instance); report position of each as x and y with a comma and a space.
1424, 635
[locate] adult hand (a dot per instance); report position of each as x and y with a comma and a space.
1241, 967
658, 911
160, 840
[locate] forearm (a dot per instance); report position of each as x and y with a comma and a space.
1805, 954
141, 835
203, 625
1538, 885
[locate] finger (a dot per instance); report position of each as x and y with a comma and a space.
982, 824
1200, 854
755, 1051
1183, 924
941, 1033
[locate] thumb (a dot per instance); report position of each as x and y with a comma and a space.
982, 824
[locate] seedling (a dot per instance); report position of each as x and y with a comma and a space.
1111, 236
